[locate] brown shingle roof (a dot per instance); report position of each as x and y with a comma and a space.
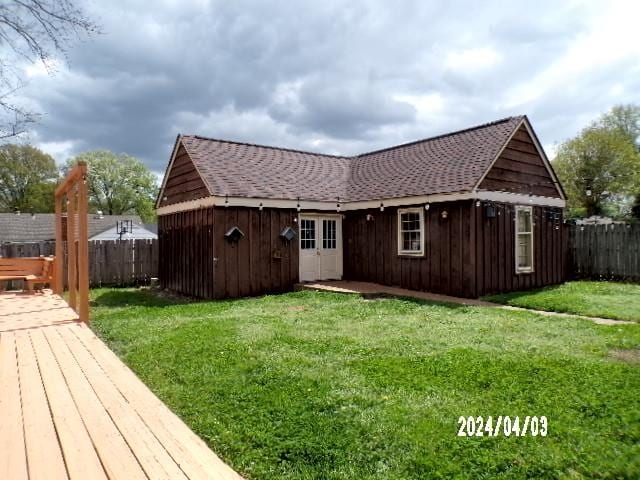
448, 163
245, 170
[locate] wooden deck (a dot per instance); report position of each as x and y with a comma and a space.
70, 409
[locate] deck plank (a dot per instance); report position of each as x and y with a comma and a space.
70, 408
151, 455
80, 456
13, 459
44, 457
189, 450
115, 455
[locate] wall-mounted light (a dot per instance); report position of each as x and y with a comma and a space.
382, 207
369, 217
588, 192
260, 207
444, 214
226, 200
477, 203
298, 205
490, 210
427, 206
338, 205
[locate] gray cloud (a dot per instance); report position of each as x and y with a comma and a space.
334, 76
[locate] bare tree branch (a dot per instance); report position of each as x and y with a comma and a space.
35, 31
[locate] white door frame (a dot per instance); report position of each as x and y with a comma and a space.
320, 263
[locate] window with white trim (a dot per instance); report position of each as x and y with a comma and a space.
411, 231
524, 239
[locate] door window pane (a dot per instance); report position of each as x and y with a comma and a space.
307, 234
329, 235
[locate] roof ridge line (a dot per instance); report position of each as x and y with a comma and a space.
442, 135
359, 155
272, 147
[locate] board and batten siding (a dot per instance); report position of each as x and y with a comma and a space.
183, 181
371, 250
495, 250
466, 254
197, 260
520, 169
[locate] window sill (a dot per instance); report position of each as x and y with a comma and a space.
411, 254
524, 271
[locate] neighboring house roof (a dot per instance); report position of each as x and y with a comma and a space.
138, 232
449, 163
27, 227
151, 227
597, 220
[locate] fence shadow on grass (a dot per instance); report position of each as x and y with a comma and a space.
143, 297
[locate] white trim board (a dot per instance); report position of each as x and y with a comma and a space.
331, 206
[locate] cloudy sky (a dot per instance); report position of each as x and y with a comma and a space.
332, 76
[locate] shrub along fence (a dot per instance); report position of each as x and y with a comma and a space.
111, 262
605, 251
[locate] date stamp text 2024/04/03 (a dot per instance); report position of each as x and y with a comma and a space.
505, 425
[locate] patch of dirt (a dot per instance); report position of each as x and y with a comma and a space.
297, 308
370, 297
627, 356
171, 295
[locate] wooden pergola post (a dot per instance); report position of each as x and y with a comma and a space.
71, 248
83, 246
73, 192
58, 285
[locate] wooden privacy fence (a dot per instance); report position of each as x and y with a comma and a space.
111, 262
605, 251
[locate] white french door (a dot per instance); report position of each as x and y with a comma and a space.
320, 247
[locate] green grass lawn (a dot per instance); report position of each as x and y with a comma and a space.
313, 385
598, 299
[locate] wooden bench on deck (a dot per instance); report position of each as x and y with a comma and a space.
31, 270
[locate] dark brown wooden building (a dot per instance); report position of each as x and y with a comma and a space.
468, 213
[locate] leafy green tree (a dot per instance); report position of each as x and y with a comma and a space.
625, 118
27, 179
596, 166
600, 168
119, 184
